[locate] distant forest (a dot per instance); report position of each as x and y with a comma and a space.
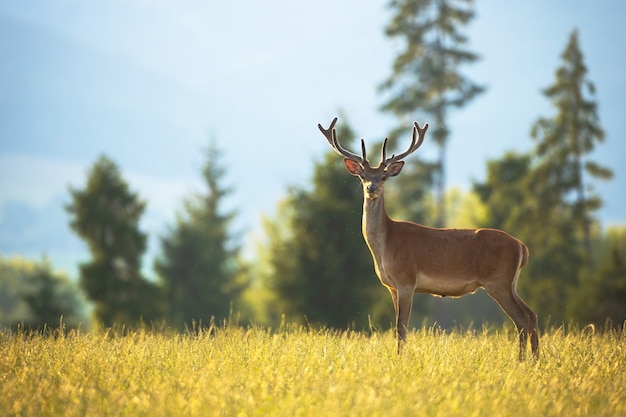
312, 265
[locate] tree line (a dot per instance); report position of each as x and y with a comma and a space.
313, 266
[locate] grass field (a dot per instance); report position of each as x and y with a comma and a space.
298, 372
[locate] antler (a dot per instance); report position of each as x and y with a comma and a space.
416, 141
419, 133
331, 137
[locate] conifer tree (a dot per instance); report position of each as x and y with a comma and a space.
544, 199
33, 295
513, 204
425, 80
199, 262
601, 298
48, 302
564, 142
316, 261
505, 193
106, 215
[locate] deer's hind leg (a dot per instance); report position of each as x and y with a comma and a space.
522, 316
532, 327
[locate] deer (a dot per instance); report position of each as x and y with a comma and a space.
445, 262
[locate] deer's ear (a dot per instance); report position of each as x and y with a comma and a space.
353, 167
394, 169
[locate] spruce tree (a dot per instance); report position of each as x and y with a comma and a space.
564, 141
106, 215
601, 298
47, 303
514, 204
33, 295
426, 81
199, 262
316, 262
544, 198
505, 193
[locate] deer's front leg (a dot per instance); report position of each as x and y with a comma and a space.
394, 298
404, 302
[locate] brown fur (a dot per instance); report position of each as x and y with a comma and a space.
410, 258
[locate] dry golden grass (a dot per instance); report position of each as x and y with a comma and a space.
298, 372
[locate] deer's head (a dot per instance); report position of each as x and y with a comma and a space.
373, 178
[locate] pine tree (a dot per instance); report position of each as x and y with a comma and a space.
316, 261
106, 214
411, 196
547, 202
513, 203
199, 261
565, 140
33, 295
46, 303
425, 79
505, 193
601, 299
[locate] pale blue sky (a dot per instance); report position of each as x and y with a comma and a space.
150, 82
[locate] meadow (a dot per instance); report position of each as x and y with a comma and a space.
297, 371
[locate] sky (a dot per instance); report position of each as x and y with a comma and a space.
150, 83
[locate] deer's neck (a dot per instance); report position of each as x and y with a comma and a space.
375, 223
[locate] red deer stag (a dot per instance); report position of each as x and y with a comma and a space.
411, 258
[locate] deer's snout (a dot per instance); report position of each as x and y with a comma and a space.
372, 188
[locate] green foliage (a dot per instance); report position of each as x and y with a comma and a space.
601, 298
298, 372
426, 79
564, 141
564, 199
410, 195
544, 199
106, 214
316, 261
505, 192
199, 266
513, 203
34, 296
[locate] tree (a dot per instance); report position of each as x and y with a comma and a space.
199, 263
505, 193
426, 77
602, 296
316, 262
106, 214
513, 203
33, 295
50, 301
565, 140
544, 199
411, 195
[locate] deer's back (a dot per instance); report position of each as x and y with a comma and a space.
412, 250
